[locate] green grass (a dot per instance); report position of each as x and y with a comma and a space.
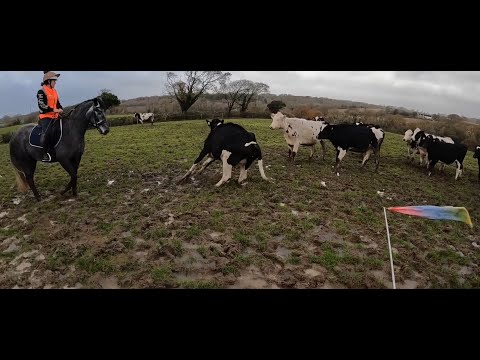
326, 227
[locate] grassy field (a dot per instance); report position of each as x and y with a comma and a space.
132, 226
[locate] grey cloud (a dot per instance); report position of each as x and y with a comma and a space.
430, 91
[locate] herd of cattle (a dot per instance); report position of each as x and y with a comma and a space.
234, 145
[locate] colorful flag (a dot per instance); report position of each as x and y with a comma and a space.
435, 212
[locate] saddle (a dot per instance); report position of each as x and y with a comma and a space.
55, 136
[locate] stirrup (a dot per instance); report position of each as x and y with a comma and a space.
46, 158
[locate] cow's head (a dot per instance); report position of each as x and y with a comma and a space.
278, 121
426, 140
325, 131
408, 135
214, 123
476, 154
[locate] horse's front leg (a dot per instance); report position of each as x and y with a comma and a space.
71, 167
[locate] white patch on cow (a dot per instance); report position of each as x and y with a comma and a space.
250, 143
445, 139
341, 153
378, 133
415, 132
477, 148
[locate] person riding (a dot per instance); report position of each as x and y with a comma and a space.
50, 109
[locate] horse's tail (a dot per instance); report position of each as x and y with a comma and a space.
21, 180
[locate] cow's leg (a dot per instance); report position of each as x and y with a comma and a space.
422, 157
243, 172
312, 151
377, 159
324, 149
295, 149
340, 154
366, 156
195, 163
431, 166
410, 154
227, 168
290, 147
207, 162
458, 172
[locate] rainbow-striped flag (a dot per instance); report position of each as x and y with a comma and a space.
435, 212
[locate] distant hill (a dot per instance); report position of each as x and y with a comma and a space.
209, 105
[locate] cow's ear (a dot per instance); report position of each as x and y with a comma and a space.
272, 115
208, 122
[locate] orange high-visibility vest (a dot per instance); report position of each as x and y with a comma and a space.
52, 99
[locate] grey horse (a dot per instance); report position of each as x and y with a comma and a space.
69, 149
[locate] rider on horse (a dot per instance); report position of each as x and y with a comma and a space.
50, 109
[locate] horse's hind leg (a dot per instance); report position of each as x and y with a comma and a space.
29, 179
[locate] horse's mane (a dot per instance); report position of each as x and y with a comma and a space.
75, 107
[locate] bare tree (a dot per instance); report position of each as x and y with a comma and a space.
252, 90
192, 85
231, 92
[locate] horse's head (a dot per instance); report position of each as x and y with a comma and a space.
96, 116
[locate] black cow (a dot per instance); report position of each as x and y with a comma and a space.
232, 144
476, 155
447, 153
344, 137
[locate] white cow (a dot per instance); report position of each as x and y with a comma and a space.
298, 132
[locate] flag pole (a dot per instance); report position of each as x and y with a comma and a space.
389, 247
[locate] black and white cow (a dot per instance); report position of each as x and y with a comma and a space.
298, 132
232, 144
447, 153
141, 117
344, 137
419, 136
412, 146
476, 155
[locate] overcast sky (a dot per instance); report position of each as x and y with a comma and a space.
444, 92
